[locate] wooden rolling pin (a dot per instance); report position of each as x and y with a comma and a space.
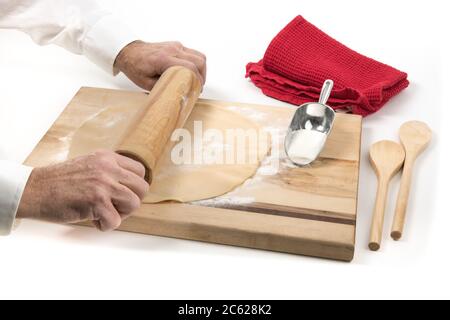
169, 105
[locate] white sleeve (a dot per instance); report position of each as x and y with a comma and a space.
80, 26
13, 179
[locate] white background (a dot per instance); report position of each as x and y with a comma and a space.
49, 261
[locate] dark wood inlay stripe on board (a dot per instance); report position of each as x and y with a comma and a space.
290, 212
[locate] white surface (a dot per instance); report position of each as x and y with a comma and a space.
50, 261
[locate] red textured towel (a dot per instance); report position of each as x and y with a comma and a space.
302, 57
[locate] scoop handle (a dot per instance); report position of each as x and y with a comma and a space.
326, 91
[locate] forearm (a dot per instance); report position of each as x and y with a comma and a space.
13, 178
103, 187
80, 26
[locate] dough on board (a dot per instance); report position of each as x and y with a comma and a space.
190, 180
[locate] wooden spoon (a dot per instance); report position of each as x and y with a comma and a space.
387, 158
415, 137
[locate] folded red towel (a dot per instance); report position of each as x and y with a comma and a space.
302, 57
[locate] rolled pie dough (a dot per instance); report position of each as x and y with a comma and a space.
191, 179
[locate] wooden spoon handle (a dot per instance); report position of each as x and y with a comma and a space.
402, 201
378, 215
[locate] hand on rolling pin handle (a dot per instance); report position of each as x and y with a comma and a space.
103, 187
143, 63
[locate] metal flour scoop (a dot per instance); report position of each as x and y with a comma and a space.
309, 130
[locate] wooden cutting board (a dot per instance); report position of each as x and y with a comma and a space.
308, 211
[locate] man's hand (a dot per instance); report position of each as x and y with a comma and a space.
103, 187
143, 63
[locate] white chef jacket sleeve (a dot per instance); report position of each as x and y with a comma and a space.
13, 178
80, 26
